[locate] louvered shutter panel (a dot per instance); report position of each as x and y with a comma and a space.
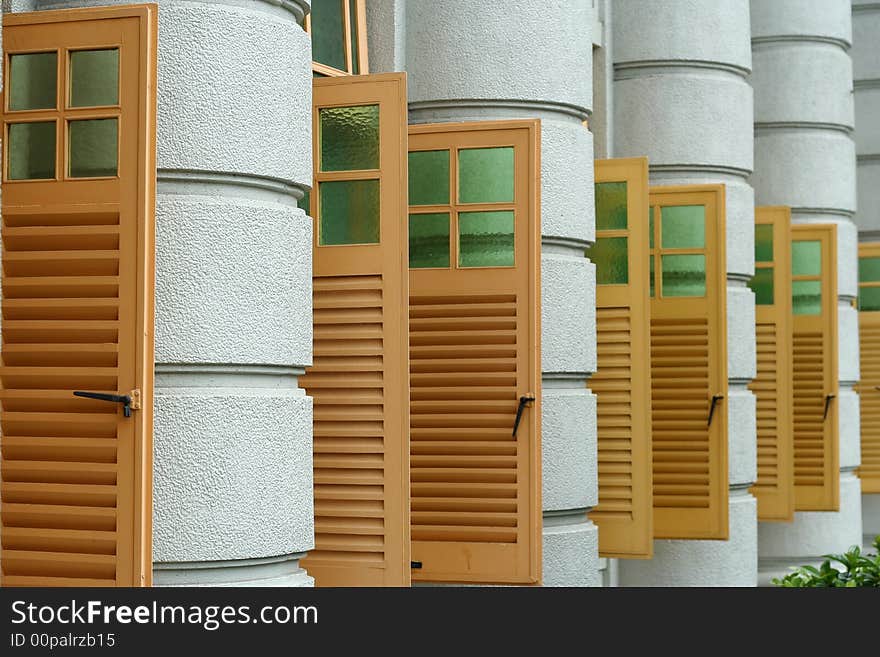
622, 382
78, 310
360, 378
474, 352
869, 353
774, 489
689, 362
814, 367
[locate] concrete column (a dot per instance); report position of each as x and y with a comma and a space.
535, 63
682, 97
866, 89
805, 158
233, 432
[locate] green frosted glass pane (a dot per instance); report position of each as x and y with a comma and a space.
683, 226
33, 81
94, 78
869, 298
485, 175
352, 21
806, 297
350, 138
609, 254
651, 270
806, 259
349, 212
94, 148
651, 229
762, 285
869, 270
763, 243
684, 275
429, 177
429, 240
31, 151
305, 203
485, 239
610, 206
328, 33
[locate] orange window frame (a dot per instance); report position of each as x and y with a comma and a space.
360, 17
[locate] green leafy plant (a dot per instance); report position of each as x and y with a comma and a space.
854, 569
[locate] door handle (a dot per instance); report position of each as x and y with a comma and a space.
125, 400
525, 399
828, 399
715, 400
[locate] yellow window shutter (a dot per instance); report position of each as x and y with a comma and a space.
689, 361
474, 252
869, 350
774, 489
78, 253
360, 378
622, 382
814, 367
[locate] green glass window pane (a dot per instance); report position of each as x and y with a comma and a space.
94, 78
651, 229
328, 33
683, 226
429, 177
762, 286
869, 270
485, 175
429, 240
651, 270
33, 81
610, 206
609, 254
305, 203
763, 243
94, 150
31, 151
806, 297
350, 138
485, 239
683, 275
349, 212
869, 298
806, 258
352, 21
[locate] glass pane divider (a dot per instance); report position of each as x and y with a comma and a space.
870, 284
366, 174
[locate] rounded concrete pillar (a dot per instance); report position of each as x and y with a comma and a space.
539, 66
805, 158
866, 88
232, 476
682, 97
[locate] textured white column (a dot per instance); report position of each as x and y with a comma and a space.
682, 97
471, 60
233, 432
866, 88
805, 158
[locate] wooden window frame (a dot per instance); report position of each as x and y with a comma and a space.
134, 566
478, 562
869, 469
362, 49
824, 497
684, 522
628, 535
776, 502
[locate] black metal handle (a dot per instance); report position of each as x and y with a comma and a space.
828, 399
519, 411
715, 400
125, 400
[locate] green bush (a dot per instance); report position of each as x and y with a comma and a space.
857, 570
